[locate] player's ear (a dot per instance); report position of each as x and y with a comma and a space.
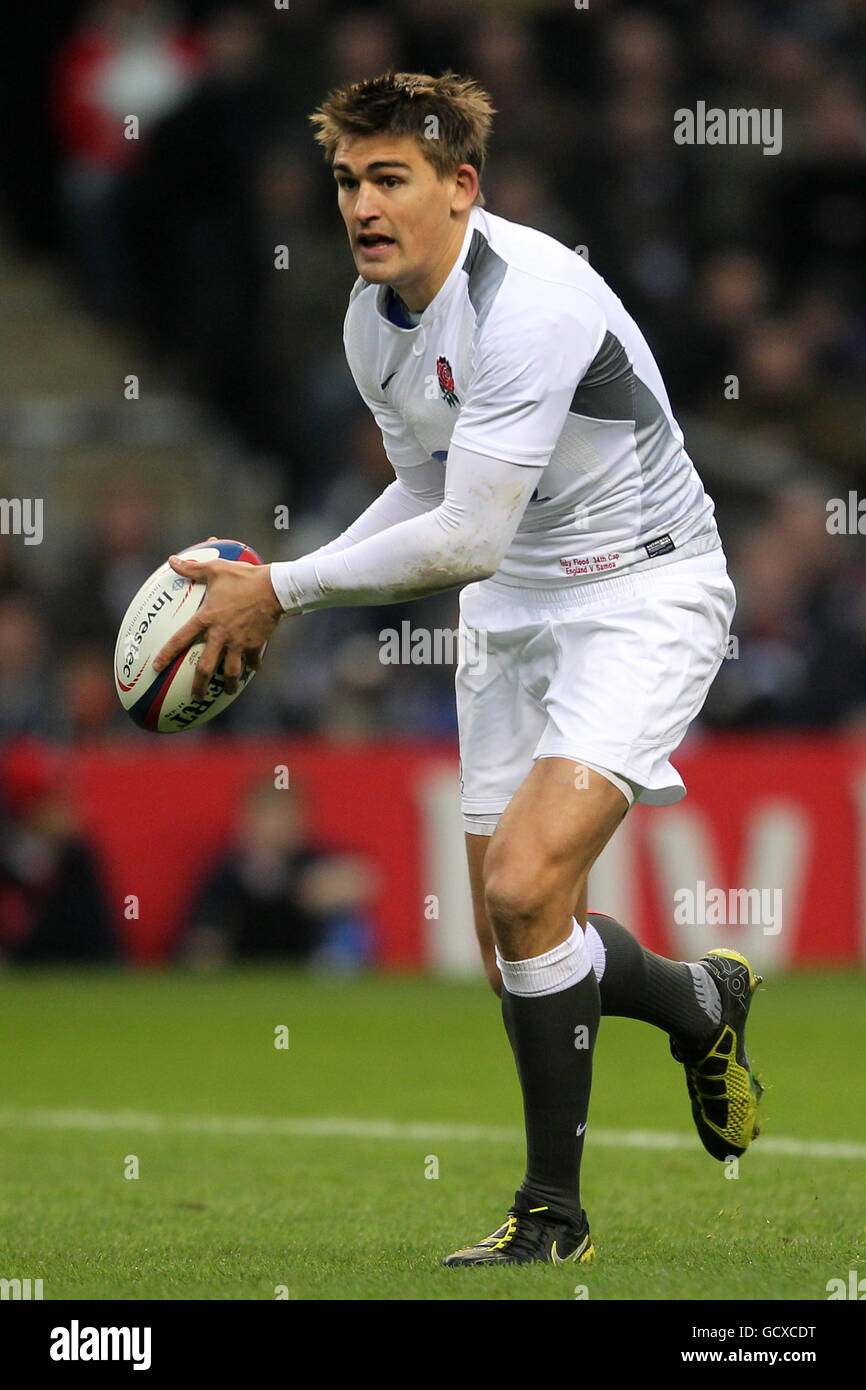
466, 187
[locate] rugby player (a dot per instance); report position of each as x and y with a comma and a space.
539, 466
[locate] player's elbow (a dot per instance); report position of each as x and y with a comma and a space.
477, 554
485, 571
476, 562
474, 549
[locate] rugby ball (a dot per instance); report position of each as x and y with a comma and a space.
162, 701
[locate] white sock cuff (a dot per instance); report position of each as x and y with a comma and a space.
564, 966
597, 952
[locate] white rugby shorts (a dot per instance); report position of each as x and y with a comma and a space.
608, 673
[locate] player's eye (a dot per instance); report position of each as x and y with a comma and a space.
391, 180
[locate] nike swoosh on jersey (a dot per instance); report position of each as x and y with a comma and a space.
388, 378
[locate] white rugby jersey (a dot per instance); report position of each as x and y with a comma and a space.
527, 355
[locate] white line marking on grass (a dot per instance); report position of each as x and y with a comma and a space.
335, 1127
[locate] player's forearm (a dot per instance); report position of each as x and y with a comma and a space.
407, 561
397, 503
461, 540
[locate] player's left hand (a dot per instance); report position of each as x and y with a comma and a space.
239, 613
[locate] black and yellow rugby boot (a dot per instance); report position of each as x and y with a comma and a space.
530, 1235
723, 1090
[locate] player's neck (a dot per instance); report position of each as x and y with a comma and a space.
419, 296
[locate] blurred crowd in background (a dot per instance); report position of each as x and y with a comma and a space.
274, 892
735, 264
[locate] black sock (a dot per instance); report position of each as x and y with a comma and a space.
670, 994
553, 1036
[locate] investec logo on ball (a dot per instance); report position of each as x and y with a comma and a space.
131, 653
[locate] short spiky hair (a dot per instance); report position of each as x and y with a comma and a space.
401, 103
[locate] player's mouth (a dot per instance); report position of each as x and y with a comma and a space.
373, 245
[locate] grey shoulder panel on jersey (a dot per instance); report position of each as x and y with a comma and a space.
606, 389
486, 271
609, 390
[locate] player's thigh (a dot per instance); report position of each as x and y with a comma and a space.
499, 721
554, 827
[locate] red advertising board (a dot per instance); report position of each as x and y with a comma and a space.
779, 816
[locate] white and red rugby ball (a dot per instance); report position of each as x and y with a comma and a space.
162, 701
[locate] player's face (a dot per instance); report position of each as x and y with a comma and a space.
405, 224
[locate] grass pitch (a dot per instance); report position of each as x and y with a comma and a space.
307, 1171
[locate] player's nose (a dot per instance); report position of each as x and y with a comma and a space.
365, 208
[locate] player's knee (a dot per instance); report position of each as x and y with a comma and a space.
512, 901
